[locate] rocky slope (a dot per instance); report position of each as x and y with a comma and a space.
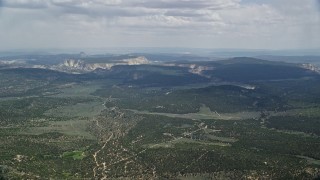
311, 67
72, 65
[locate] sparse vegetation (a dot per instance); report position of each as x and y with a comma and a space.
107, 124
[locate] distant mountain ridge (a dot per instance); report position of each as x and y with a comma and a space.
83, 66
140, 69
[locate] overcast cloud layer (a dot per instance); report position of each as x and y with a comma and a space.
258, 24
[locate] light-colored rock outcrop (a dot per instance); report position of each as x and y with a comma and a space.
311, 67
73, 65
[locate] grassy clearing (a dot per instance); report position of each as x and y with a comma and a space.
76, 155
71, 128
171, 144
9, 98
206, 113
307, 112
75, 90
222, 139
75, 118
194, 177
88, 109
310, 160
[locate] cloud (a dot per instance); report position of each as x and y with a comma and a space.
187, 4
26, 4
206, 23
151, 13
1, 4
85, 3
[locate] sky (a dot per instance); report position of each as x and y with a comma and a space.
234, 24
